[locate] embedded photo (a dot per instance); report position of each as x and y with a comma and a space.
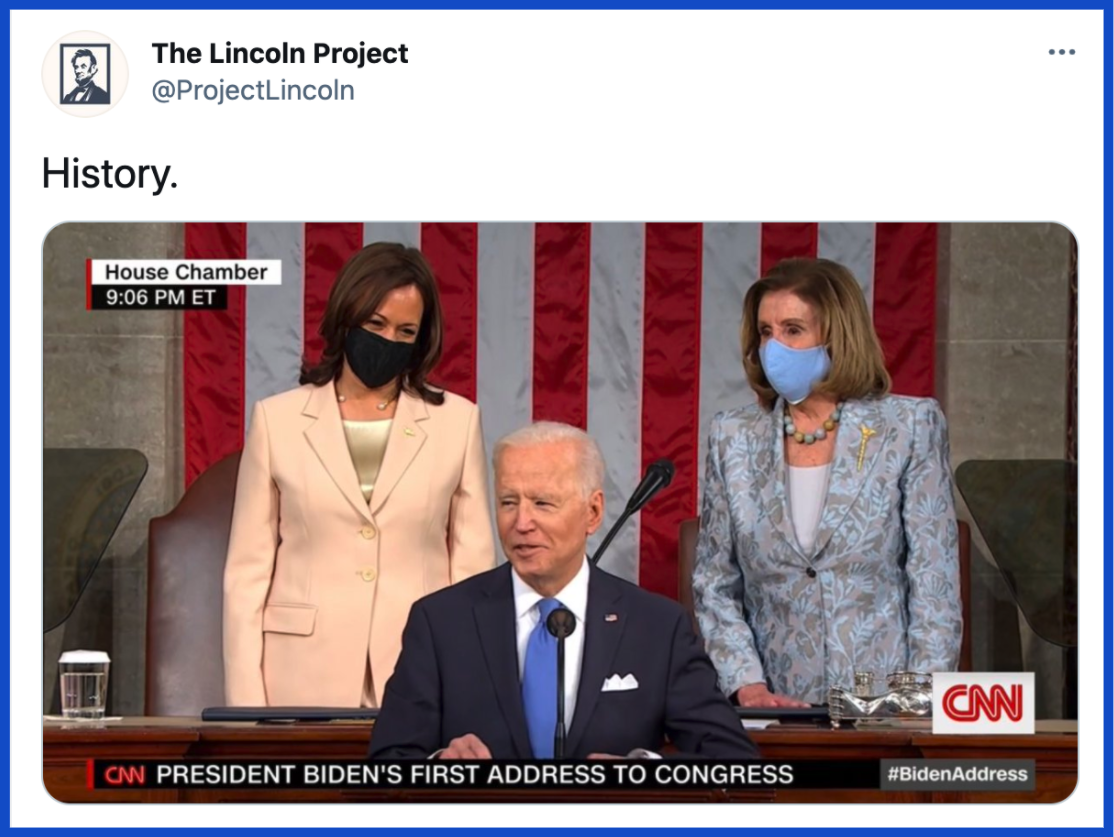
573, 512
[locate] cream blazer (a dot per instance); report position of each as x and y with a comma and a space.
317, 581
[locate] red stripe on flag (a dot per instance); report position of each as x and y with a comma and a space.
213, 357
453, 252
562, 270
670, 392
328, 247
88, 284
787, 241
905, 304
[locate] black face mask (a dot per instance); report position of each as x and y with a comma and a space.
376, 360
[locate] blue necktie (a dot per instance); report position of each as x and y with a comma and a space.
539, 684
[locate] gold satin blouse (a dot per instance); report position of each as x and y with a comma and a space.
367, 442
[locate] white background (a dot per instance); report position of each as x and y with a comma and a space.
702, 116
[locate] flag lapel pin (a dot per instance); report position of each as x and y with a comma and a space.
611, 617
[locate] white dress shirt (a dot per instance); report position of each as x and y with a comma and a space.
574, 597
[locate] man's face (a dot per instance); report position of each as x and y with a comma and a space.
83, 69
543, 517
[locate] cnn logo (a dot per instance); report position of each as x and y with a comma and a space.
986, 703
125, 775
115, 775
969, 703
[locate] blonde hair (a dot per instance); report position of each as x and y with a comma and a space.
846, 329
591, 464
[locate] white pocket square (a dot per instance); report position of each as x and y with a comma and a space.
615, 683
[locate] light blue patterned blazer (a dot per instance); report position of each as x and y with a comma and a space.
878, 592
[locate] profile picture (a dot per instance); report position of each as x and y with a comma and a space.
85, 74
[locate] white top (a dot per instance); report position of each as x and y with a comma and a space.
807, 490
575, 598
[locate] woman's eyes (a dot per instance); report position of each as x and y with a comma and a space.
378, 325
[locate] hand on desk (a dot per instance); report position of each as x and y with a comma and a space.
757, 695
466, 747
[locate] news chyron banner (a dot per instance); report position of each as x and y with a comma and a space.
385, 779
172, 284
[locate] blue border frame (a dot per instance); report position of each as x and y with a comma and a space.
570, 5
1108, 274
806, 5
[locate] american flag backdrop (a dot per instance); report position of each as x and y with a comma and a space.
630, 331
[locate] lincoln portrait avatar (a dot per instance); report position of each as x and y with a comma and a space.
86, 92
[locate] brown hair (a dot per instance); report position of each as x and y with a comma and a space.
359, 290
846, 329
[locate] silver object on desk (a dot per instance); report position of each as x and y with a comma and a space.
908, 695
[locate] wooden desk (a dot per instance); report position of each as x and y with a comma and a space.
67, 747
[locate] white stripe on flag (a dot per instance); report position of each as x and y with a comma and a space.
731, 258
401, 232
852, 245
273, 320
505, 329
615, 378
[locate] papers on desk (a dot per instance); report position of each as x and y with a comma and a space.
757, 723
893, 723
1046, 726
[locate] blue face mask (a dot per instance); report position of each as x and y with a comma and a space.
793, 372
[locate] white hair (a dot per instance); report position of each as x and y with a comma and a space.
591, 464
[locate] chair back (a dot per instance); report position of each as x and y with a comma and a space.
186, 550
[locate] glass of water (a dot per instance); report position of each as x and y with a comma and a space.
84, 676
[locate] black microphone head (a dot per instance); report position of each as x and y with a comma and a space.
561, 623
667, 470
658, 476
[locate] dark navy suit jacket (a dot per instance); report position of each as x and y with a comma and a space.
458, 674
97, 96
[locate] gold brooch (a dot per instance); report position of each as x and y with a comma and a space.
867, 433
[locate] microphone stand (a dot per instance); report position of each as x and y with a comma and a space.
612, 532
560, 733
561, 624
658, 476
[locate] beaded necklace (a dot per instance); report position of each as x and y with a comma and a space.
819, 433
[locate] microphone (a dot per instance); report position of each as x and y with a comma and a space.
561, 624
658, 476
